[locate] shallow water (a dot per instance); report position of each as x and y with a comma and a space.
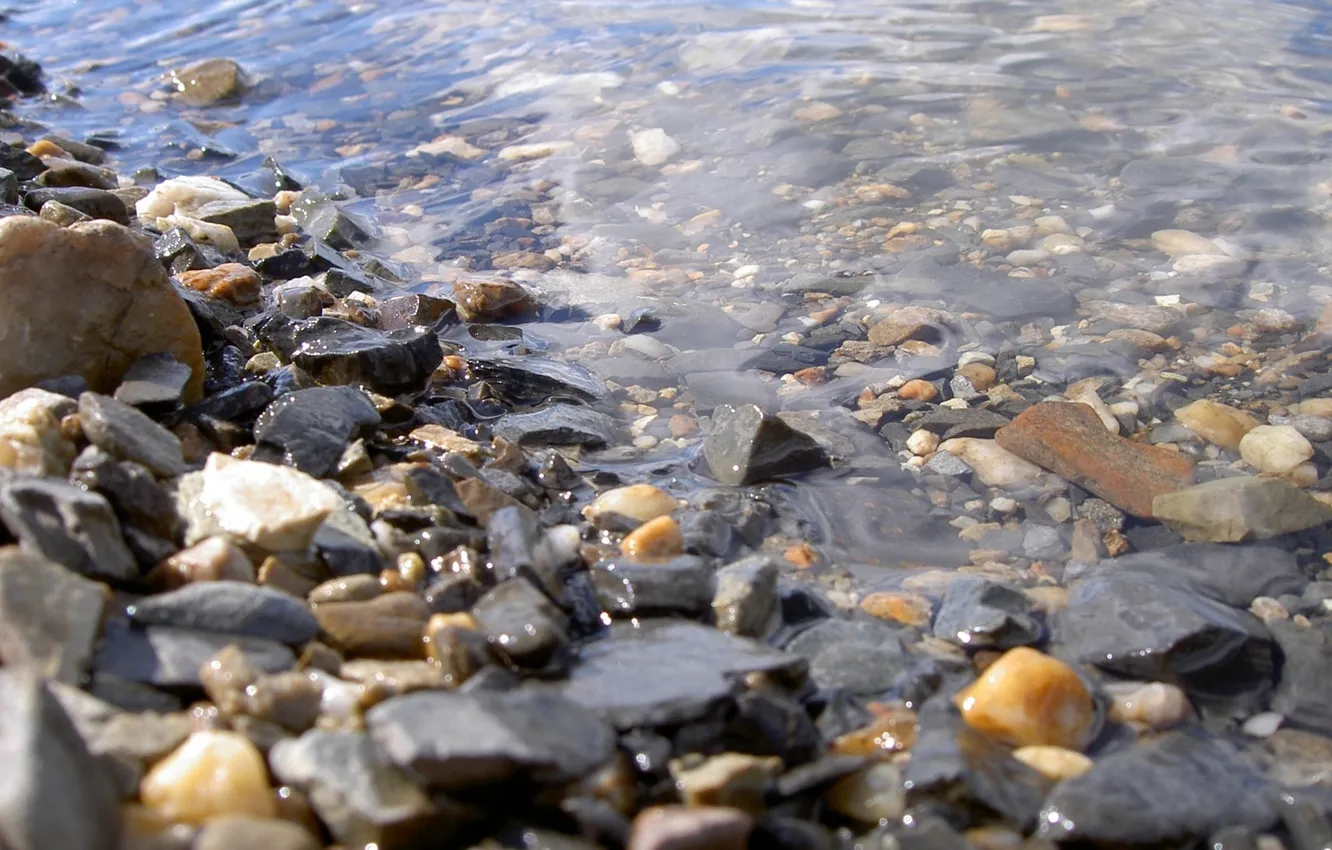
786, 120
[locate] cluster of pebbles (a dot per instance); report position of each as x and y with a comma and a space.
307, 551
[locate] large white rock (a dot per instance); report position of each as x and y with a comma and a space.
1277, 449
184, 196
274, 508
653, 147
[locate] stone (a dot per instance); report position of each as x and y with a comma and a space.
454, 740
530, 380
871, 795
1151, 705
209, 81
1276, 449
654, 672
54, 793
857, 657
335, 351
746, 596
31, 439
1054, 763
918, 390
998, 467
93, 203
1216, 423
746, 445
737, 780
682, 585
559, 425
690, 828
1070, 440
968, 422
68, 525
252, 220
61, 214
234, 283
119, 305
637, 502
169, 656
1303, 689
653, 147
522, 260
49, 617
387, 626
1183, 243
154, 381
911, 323
331, 224
655, 539
230, 832
229, 607
1026, 698
521, 621
488, 300
1157, 320
982, 614
274, 508
128, 434
908, 609
213, 773
312, 427
1234, 574
1166, 788
1230, 510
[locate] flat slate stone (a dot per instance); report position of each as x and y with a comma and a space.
68, 525
1304, 691
558, 425
129, 434
49, 616
978, 613
1234, 574
229, 607
858, 657
746, 445
170, 656
313, 427
154, 380
531, 380
522, 621
457, 740
663, 672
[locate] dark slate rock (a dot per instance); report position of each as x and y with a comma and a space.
661, 672
54, 793
154, 381
522, 621
954, 761
331, 224
530, 380
784, 357
313, 427
68, 525
704, 360
403, 311
170, 656
24, 165
631, 370
558, 425
356, 791
229, 607
129, 434
344, 554
456, 740
1006, 297
682, 585
706, 533
94, 203
137, 498
859, 657
985, 614
1138, 626
1304, 691
746, 445
49, 617
1234, 574
967, 422
426, 485
334, 351
178, 251
514, 542
236, 403
1174, 786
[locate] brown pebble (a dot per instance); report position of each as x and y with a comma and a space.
388, 626
892, 729
658, 538
980, 375
43, 148
1027, 698
918, 390
231, 282
907, 608
690, 828
681, 425
211, 559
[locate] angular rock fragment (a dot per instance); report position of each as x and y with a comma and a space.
313, 427
68, 525
49, 617
746, 445
170, 656
274, 508
981, 613
559, 425
128, 434
1230, 510
230, 607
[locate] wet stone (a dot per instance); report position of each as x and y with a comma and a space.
67, 172
690, 828
387, 626
1178, 785
985, 614
94, 203
1233, 574
212, 773
389, 362
233, 831
129, 434
67, 525
235, 283
230, 607
313, 427
1304, 691
559, 425
169, 656
658, 672
24, 165
49, 617
1230, 510
61, 214
1029, 699
251, 220
331, 224
863, 657
522, 621
154, 381
209, 81
746, 596
530, 380
682, 585
746, 445
457, 740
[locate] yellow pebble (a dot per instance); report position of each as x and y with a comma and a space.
1053, 762
1028, 698
212, 773
659, 538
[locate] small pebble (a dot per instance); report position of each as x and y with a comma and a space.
213, 773
922, 442
1053, 762
1155, 705
656, 539
1028, 698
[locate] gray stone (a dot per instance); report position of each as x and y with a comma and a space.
1043, 541
68, 525
313, 427
1304, 691
54, 792
229, 607
129, 434
558, 425
1233, 574
61, 214
169, 656
862, 658
661, 672
521, 621
1175, 786
746, 596
49, 617
946, 463
69, 172
334, 351
154, 380
137, 497
531, 380
1315, 428
1230, 510
357, 792
232, 832
682, 585
746, 445
1146, 317
980, 613
457, 740
94, 203
966, 422
330, 223
251, 220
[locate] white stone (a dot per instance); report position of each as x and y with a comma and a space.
1000, 468
653, 147
1263, 725
1277, 449
1180, 243
218, 235
1028, 257
30, 435
1062, 243
922, 442
1050, 224
1089, 397
184, 196
275, 508
533, 150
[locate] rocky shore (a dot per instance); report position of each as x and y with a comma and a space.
1019, 540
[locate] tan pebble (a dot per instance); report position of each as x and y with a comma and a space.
1304, 475
801, 555
1277, 449
891, 730
922, 443
1156, 705
1216, 423
918, 390
213, 773
231, 282
1268, 609
736, 780
870, 795
995, 837
1053, 762
906, 608
211, 559
357, 588
1027, 698
981, 375
690, 828
658, 538
641, 502
681, 425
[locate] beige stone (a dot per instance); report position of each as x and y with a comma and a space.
275, 508
1053, 762
1216, 423
1183, 243
88, 299
658, 538
213, 773
870, 795
31, 439
1277, 449
641, 502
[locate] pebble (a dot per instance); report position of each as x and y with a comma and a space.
232, 832
1230, 510
871, 795
653, 147
231, 282
918, 390
275, 508
1027, 698
211, 559
1216, 423
674, 827
214, 773
640, 502
31, 439
909, 609
1155, 705
734, 780
922, 443
655, 539
998, 467
1181, 243
1053, 763
209, 81
1277, 449
128, 434
908, 323
746, 596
